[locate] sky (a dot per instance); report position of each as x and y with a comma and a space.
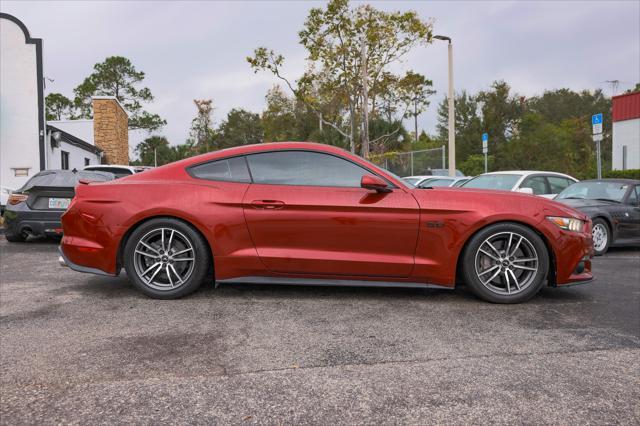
197, 50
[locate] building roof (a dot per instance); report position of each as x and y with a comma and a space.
626, 107
70, 139
81, 129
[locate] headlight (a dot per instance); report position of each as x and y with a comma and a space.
567, 223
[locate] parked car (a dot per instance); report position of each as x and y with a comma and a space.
612, 205
305, 213
430, 174
35, 209
441, 181
441, 172
545, 184
117, 170
462, 181
4, 197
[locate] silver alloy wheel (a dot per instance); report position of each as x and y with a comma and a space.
506, 263
600, 236
164, 259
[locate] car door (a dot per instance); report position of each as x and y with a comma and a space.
307, 214
629, 220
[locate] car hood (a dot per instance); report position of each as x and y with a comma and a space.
584, 204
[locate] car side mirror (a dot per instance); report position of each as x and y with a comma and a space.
374, 183
526, 190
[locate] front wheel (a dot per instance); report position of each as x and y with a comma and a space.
505, 263
166, 258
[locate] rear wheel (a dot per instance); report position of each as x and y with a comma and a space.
601, 236
505, 263
166, 258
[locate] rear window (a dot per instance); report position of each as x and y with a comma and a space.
64, 178
229, 170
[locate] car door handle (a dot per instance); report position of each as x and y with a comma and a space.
267, 204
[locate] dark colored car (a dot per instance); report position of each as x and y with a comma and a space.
613, 206
304, 213
35, 209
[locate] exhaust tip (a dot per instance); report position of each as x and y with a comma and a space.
62, 262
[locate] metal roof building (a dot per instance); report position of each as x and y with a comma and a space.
626, 131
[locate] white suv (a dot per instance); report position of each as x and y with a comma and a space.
545, 184
118, 170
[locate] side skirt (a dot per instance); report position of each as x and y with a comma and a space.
326, 282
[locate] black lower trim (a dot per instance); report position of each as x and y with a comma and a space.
326, 282
84, 269
576, 283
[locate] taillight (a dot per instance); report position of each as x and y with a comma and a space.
17, 199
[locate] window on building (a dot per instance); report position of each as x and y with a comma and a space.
64, 160
87, 161
21, 171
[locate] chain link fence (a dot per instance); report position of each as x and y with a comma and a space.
412, 163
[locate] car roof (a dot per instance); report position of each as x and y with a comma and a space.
527, 172
619, 180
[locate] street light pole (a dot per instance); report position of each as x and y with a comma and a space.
452, 118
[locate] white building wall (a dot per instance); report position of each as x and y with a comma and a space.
76, 155
19, 125
627, 133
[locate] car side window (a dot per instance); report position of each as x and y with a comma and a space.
304, 168
557, 184
537, 183
229, 170
634, 196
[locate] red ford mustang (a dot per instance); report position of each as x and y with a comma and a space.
303, 213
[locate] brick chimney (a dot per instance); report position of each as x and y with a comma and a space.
111, 129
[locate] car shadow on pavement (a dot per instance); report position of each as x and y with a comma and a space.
121, 288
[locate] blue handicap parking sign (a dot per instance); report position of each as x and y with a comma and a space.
485, 137
596, 119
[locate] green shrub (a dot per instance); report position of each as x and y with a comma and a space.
623, 174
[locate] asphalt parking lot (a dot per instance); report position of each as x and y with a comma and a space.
78, 348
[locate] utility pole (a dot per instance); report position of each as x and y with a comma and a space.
365, 102
452, 118
415, 117
155, 157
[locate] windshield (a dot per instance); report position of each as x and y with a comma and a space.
498, 181
64, 178
602, 190
436, 182
411, 180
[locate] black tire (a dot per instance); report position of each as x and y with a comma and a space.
197, 269
503, 290
15, 238
603, 226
